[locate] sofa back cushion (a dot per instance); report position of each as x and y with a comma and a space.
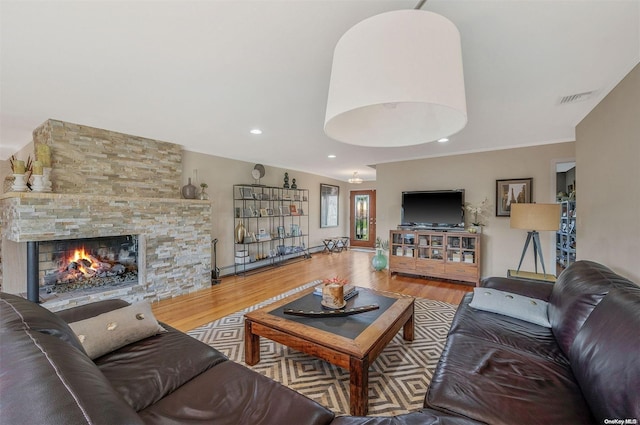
86, 311
605, 356
577, 292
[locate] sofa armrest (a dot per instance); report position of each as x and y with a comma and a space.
86, 311
46, 380
528, 288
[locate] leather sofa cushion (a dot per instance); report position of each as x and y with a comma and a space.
510, 332
605, 356
231, 394
19, 313
81, 312
46, 380
528, 288
146, 371
575, 294
499, 385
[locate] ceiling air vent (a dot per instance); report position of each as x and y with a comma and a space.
579, 97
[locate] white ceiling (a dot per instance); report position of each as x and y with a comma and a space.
203, 73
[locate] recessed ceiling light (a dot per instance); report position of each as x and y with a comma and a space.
331, 156
255, 131
443, 140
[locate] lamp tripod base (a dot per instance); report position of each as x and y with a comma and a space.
537, 250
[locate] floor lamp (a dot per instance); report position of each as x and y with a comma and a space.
535, 217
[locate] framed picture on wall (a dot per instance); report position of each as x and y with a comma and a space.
512, 191
329, 196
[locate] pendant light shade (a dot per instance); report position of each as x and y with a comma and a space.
397, 80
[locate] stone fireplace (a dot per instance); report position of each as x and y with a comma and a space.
107, 185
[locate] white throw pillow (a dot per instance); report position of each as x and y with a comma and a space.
109, 331
518, 306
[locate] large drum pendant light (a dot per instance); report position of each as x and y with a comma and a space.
397, 80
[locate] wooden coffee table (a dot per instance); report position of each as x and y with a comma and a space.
350, 342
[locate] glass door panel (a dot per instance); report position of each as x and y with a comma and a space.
363, 218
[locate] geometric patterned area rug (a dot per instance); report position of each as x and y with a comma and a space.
398, 378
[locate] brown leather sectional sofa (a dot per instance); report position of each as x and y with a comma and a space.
494, 369
584, 369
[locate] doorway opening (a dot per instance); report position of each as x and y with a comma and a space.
566, 237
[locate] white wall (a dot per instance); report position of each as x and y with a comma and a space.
608, 180
222, 173
477, 174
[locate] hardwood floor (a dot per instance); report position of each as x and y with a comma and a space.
237, 292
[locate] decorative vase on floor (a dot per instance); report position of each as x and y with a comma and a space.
379, 261
189, 191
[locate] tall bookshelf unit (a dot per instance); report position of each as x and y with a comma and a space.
445, 255
276, 225
566, 236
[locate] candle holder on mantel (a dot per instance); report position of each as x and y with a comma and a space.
19, 183
38, 183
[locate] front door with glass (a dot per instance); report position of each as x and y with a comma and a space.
363, 218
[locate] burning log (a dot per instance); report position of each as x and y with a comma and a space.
118, 269
83, 271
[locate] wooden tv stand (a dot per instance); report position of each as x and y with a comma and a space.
444, 255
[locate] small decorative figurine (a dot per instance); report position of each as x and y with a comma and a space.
293, 184
286, 181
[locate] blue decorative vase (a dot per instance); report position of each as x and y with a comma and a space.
379, 261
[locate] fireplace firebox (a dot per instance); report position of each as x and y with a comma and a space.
86, 265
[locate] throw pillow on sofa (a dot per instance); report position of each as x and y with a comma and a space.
518, 306
109, 331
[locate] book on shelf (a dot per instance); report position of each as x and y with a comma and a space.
350, 291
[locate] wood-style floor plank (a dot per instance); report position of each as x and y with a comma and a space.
235, 293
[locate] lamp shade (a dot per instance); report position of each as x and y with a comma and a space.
397, 80
535, 216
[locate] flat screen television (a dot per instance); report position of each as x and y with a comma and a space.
433, 208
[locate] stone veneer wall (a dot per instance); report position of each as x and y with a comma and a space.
88, 160
175, 232
107, 183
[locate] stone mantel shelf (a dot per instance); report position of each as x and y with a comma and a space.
38, 216
63, 196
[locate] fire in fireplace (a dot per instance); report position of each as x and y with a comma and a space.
83, 264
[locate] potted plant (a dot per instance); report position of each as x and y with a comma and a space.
478, 211
203, 194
